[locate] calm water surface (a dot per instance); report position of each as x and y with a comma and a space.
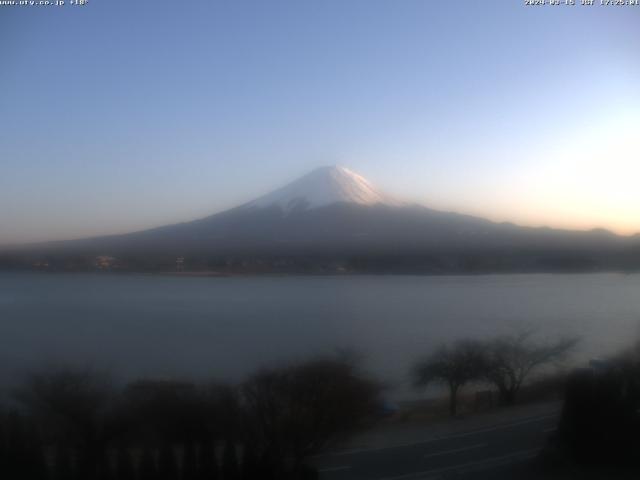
138, 325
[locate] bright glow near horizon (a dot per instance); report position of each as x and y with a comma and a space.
587, 179
488, 108
593, 181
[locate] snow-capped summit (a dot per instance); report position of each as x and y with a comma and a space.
324, 186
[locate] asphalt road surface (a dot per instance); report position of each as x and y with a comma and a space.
460, 455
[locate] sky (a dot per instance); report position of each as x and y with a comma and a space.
122, 115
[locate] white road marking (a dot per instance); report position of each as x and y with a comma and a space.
499, 427
437, 439
456, 450
493, 461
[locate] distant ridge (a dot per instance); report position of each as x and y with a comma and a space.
334, 220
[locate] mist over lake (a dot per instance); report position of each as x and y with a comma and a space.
144, 325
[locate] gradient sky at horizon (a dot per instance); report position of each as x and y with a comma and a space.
122, 115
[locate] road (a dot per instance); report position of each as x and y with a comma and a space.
461, 454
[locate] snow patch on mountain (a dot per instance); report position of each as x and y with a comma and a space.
325, 186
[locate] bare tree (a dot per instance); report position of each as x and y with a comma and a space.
72, 406
297, 411
452, 365
510, 359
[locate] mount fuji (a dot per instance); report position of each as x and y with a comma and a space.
325, 186
333, 218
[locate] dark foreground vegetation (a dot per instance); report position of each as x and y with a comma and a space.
599, 429
77, 425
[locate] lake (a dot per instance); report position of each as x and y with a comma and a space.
145, 325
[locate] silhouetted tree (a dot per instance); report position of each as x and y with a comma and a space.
510, 359
207, 462
72, 405
148, 469
226, 412
453, 365
230, 468
3, 442
124, 464
165, 411
62, 464
24, 456
296, 412
167, 466
104, 468
277, 419
250, 461
189, 462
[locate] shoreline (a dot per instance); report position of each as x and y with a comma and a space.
218, 274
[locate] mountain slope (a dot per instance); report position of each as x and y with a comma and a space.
335, 215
